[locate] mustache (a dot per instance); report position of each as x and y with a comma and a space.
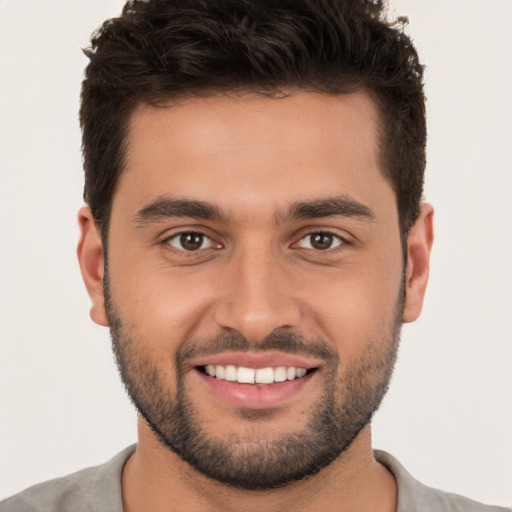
286, 342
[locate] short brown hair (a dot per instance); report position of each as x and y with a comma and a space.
163, 49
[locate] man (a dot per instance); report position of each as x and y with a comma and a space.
254, 239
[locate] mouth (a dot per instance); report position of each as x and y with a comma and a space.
257, 376
256, 381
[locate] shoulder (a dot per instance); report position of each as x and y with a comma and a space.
413, 496
94, 489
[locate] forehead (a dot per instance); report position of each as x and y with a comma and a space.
250, 149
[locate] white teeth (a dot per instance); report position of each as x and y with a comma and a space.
245, 375
230, 373
219, 372
265, 376
279, 374
290, 373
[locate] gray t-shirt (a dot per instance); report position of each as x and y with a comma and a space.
98, 489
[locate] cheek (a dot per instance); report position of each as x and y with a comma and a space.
163, 305
357, 305
348, 305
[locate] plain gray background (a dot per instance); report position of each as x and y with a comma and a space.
448, 416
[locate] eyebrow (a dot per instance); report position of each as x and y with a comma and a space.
337, 206
164, 207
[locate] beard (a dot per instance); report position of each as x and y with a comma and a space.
350, 396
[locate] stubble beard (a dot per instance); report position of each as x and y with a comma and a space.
344, 408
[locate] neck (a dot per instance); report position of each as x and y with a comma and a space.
156, 479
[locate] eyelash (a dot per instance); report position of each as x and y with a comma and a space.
204, 237
179, 235
342, 241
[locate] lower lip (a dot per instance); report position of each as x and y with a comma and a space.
255, 396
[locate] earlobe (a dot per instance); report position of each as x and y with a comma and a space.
90, 257
419, 246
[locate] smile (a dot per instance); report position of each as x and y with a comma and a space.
244, 375
256, 380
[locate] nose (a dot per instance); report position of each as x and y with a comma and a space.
257, 297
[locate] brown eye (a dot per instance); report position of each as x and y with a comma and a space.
320, 241
191, 241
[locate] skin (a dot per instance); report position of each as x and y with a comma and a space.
252, 157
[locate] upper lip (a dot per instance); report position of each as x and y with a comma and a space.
257, 360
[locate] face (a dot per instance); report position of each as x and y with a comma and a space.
255, 285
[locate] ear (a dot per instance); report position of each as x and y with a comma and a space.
90, 257
419, 245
